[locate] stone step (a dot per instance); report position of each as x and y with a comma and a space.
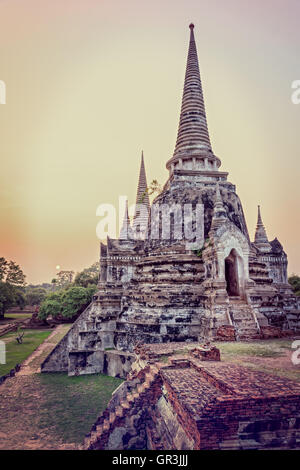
240, 309
149, 378
241, 323
99, 429
247, 331
243, 320
141, 388
94, 436
129, 397
87, 442
248, 337
106, 425
119, 411
107, 419
125, 404
246, 327
240, 312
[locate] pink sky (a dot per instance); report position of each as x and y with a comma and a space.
92, 83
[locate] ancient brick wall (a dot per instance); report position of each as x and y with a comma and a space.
189, 402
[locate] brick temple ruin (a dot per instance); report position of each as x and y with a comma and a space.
181, 396
161, 289
162, 301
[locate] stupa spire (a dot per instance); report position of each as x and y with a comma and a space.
192, 132
261, 239
219, 214
142, 207
126, 230
142, 196
193, 141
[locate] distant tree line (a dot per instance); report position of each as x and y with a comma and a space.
63, 298
69, 299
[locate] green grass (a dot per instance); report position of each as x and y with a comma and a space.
17, 353
13, 316
244, 354
74, 403
264, 349
181, 351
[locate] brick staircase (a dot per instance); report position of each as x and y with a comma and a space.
242, 317
121, 407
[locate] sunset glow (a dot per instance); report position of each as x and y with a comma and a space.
91, 83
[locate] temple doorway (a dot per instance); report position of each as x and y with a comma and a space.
232, 274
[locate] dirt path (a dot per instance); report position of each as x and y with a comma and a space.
32, 365
21, 399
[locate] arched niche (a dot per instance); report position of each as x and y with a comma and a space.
234, 274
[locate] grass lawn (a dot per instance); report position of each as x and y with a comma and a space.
17, 353
13, 316
272, 356
72, 404
266, 348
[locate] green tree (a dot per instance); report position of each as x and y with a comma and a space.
7, 297
294, 280
3, 269
12, 283
75, 300
49, 307
67, 303
35, 295
88, 276
14, 275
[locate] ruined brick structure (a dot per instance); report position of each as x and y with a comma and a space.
193, 401
161, 289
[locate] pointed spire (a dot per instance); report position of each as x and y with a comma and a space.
193, 150
126, 230
261, 239
218, 200
219, 214
193, 133
142, 196
142, 207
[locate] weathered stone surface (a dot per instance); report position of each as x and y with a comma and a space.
162, 289
189, 403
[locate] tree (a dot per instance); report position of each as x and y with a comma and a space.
67, 303
294, 280
3, 269
7, 297
35, 295
49, 307
14, 275
64, 278
75, 300
12, 283
88, 276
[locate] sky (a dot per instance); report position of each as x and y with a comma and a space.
90, 84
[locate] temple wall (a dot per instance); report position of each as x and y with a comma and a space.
195, 401
190, 190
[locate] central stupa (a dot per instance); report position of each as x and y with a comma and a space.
155, 288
